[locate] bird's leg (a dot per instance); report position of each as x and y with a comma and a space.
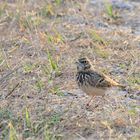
99, 101
89, 101
97, 104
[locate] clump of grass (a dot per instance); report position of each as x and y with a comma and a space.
99, 44
27, 132
47, 10
29, 21
28, 67
27, 120
12, 132
44, 127
56, 37
56, 90
39, 84
54, 119
7, 118
52, 69
102, 53
97, 38
132, 111
132, 80
53, 63
39, 125
58, 2
123, 66
51, 38
109, 10
46, 133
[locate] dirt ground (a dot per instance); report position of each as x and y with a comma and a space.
39, 44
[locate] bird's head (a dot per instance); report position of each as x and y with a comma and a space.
83, 64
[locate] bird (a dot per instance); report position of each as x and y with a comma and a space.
92, 82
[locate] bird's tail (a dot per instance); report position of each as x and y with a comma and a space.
114, 83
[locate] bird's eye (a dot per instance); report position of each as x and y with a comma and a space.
84, 62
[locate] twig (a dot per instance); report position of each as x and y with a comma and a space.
77, 37
82, 138
12, 90
11, 72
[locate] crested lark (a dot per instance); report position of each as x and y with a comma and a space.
92, 82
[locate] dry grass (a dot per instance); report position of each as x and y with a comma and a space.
40, 41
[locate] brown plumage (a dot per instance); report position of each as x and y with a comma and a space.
92, 82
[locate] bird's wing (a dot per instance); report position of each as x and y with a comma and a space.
98, 80
112, 82
102, 80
